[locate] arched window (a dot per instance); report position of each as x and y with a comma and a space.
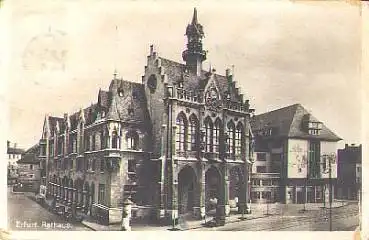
192, 133
94, 147
132, 140
114, 143
181, 133
208, 135
238, 140
216, 133
74, 145
230, 139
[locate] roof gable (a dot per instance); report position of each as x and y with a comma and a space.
176, 72
288, 122
129, 104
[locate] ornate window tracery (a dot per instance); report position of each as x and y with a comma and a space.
181, 133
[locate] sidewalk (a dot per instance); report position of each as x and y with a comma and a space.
292, 209
183, 226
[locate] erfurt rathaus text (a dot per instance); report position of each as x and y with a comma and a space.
173, 144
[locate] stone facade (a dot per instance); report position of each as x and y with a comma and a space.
173, 144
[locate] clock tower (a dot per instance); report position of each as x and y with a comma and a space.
194, 55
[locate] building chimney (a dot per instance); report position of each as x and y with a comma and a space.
15, 145
346, 145
151, 49
228, 72
8, 144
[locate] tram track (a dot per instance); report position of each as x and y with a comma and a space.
277, 223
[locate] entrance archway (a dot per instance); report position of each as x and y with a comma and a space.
235, 183
212, 188
186, 189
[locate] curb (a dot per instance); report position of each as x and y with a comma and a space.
234, 221
88, 226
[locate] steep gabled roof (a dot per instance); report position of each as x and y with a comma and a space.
288, 123
30, 155
53, 121
130, 105
103, 99
176, 72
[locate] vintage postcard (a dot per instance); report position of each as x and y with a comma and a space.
183, 116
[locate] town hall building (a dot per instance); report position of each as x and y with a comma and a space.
174, 144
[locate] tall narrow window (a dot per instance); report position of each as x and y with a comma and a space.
115, 139
314, 159
92, 142
192, 133
238, 140
324, 163
87, 143
60, 145
216, 134
101, 199
181, 133
102, 165
93, 168
132, 140
52, 149
74, 147
230, 139
102, 140
208, 135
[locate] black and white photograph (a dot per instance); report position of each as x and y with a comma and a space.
183, 116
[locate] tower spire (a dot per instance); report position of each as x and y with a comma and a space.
194, 17
194, 55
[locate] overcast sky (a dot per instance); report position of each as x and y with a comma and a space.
61, 53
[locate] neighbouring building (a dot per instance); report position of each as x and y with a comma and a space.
265, 178
171, 143
30, 170
349, 172
14, 154
294, 153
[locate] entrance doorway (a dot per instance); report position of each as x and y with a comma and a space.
186, 190
212, 188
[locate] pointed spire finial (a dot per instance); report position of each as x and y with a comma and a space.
194, 18
115, 73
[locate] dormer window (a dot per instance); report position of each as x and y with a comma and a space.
132, 140
313, 128
120, 92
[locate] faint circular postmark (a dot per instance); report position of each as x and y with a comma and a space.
46, 52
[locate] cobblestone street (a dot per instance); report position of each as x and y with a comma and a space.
26, 215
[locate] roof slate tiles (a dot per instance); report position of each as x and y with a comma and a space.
288, 121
